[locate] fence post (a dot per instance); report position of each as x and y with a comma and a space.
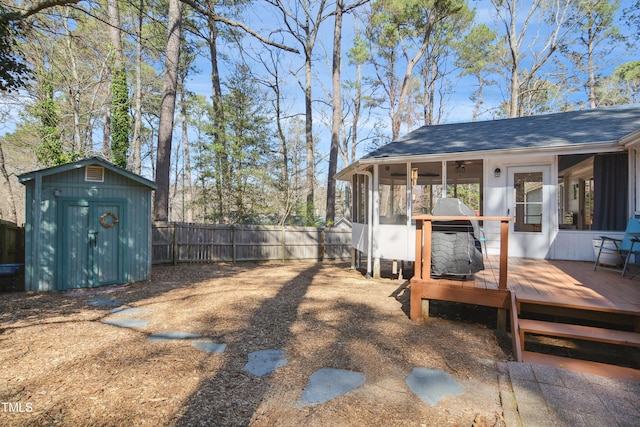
175, 249
282, 244
322, 243
233, 243
4, 247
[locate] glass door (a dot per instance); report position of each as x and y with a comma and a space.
530, 207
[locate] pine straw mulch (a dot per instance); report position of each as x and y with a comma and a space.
61, 365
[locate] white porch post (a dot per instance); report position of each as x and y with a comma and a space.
444, 179
375, 221
634, 181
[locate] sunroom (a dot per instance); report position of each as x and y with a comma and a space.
565, 179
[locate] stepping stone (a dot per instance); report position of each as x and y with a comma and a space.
328, 383
263, 362
432, 385
130, 310
127, 322
103, 302
99, 290
210, 347
172, 335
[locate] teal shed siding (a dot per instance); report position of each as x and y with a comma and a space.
72, 249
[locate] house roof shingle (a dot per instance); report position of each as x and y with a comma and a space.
601, 125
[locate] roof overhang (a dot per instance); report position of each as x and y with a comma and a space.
600, 147
91, 161
631, 140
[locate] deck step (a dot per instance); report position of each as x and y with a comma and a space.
589, 333
576, 302
583, 366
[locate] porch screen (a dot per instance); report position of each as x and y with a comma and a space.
360, 199
611, 183
393, 203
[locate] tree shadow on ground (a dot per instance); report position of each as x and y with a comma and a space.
271, 320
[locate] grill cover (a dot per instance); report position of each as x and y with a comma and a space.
455, 245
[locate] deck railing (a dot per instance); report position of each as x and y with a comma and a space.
424, 226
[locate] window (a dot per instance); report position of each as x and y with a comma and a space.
592, 191
528, 201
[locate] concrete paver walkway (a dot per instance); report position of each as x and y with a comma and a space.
536, 395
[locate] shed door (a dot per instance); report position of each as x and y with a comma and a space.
91, 244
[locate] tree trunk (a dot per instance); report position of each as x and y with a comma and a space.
591, 85
310, 145
135, 155
74, 94
167, 108
5, 174
114, 32
336, 119
515, 67
187, 188
479, 99
221, 170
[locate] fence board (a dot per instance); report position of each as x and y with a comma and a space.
11, 243
182, 242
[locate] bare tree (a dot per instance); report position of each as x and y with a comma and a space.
7, 178
286, 191
401, 34
211, 33
167, 109
556, 15
597, 37
302, 20
336, 119
135, 153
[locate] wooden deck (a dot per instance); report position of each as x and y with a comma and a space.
571, 290
567, 283
541, 300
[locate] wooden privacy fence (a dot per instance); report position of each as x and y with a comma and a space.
181, 242
11, 243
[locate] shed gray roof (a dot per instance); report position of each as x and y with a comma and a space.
602, 125
25, 177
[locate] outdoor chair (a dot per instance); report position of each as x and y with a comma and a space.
624, 248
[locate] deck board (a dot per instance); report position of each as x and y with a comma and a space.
549, 280
575, 281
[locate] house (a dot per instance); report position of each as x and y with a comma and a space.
565, 179
87, 223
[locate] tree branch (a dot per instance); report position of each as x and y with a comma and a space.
38, 7
199, 8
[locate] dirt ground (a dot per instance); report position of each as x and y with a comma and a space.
61, 365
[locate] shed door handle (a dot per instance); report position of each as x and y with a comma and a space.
93, 240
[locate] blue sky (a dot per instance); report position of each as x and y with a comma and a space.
458, 105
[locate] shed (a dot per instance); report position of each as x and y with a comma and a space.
87, 224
